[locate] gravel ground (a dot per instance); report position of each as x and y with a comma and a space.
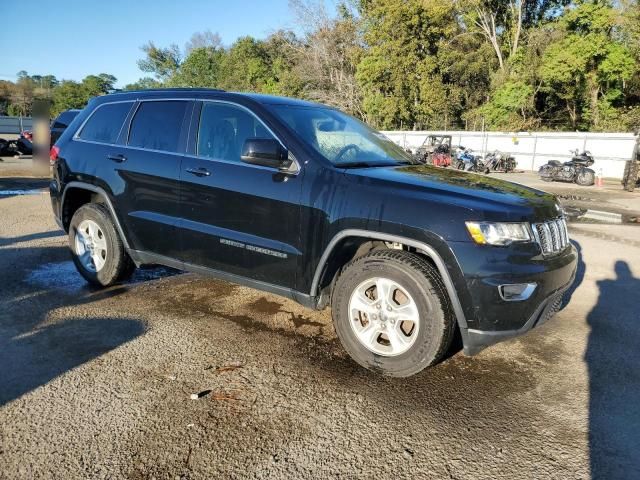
97, 384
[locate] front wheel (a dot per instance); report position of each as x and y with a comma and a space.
392, 313
98, 252
585, 178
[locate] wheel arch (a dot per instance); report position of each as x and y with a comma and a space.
77, 194
332, 253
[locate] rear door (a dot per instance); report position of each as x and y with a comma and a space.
148, 170
97, 139
237, 218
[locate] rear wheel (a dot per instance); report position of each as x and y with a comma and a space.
391, 312
98, 252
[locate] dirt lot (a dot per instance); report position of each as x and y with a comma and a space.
97, 384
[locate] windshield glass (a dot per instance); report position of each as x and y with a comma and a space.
340, 138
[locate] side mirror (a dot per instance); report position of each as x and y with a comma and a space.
265, 152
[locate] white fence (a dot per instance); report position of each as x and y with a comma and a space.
532, 149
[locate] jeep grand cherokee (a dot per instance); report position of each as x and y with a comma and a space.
301, 200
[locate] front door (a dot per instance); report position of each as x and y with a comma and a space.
235, 217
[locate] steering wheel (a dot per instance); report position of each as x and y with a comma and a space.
345, 149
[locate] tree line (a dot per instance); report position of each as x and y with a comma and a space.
412, 64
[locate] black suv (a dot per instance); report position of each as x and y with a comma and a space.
302, 200
61, 122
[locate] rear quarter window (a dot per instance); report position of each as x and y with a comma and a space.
105, 123
156, 125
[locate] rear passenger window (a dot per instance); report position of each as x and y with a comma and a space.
224, 129
105, 123
156, 125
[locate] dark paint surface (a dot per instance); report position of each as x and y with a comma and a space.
264, 225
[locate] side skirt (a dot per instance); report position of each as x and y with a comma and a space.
148, 258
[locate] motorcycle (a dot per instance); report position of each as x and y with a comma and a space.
467, 161
575, 170
498, 161
22, 146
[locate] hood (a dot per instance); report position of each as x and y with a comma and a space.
488, 197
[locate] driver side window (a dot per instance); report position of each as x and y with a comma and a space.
223, 130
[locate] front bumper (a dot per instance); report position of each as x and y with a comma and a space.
491, 319
477, 340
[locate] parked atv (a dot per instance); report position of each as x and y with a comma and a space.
575, 170
435, 150
498, 161
631, 177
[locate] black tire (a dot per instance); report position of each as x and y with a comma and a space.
423, 282
118, 265
630, 178
585, 178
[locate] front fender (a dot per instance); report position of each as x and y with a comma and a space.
428, 244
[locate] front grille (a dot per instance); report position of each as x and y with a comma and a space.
552, 236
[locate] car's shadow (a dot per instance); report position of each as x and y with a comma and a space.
35, 348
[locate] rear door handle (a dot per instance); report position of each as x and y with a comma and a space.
199, 172
117, 158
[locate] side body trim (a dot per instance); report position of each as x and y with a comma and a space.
103, 194
423, 247
152, 258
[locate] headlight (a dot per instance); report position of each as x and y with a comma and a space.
489, 233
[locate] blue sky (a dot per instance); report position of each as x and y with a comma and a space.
74, 38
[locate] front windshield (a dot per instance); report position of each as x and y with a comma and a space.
340, 138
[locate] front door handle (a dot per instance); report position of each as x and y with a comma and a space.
117, 158
199, 172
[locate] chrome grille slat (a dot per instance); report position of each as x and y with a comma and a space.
566, 232
552, 236
555, 236
563, 238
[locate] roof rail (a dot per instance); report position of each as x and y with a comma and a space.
169, 89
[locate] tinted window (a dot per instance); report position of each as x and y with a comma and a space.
64, 119
156, 125
224, 129
105, 123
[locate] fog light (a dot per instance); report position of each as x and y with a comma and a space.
516, 292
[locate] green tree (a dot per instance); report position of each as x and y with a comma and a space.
143, 84
510, 107
161, 62
68, 94
588, 67
201, 68
400, 75
245, 66
94, 85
